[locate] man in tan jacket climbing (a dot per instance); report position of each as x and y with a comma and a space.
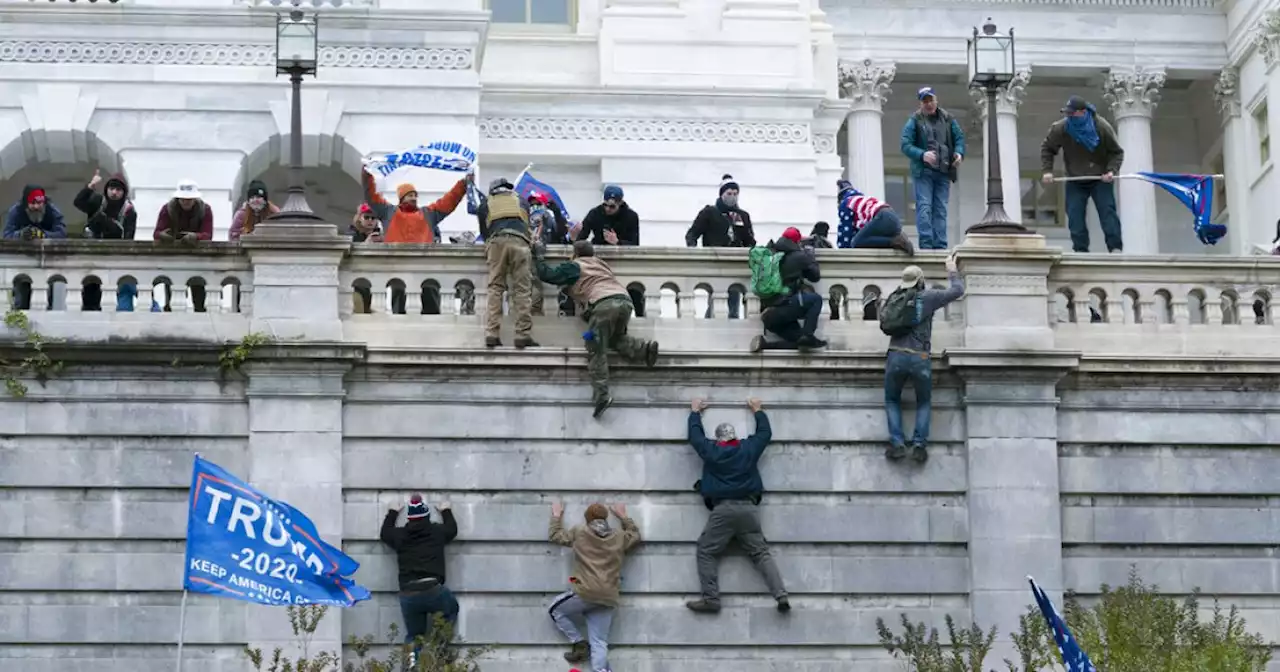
598, 552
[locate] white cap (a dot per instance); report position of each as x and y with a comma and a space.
187, 189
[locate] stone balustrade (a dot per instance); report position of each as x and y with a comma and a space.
398, 296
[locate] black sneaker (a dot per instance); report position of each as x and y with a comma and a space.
811, 343
492, 342
602, 406
526, 342
896, 452
784, 605
901, 243
651, 354
703, 606
919, 454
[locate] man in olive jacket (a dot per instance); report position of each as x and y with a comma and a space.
606, 306
732, 488
598, 552
1089, 148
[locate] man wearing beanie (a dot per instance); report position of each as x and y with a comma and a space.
732, 489
594, 585
723, 224
793, 315
867, 222
34, 217
613, 222
255, 209
405, 221
419, 548
111, 213
607, 310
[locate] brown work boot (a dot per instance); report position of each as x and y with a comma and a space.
901, 243
526, 342
651, 354
492, 342
578, 653
703, 606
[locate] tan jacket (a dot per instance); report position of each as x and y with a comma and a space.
595, 281
597, 561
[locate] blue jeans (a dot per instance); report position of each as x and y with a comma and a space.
419, 610
880, 231
795, 317
898, 369
933, 193
1104, 200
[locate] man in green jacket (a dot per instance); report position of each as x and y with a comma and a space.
593, 286
1089, 148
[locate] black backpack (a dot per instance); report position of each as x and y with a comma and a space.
902, 311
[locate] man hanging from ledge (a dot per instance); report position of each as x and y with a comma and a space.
608, 309
34, 217
598, 552
406, 222
731, 488
419, 548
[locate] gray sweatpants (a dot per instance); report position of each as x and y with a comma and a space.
569, 608
734, 519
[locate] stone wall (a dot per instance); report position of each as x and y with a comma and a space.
1067, 450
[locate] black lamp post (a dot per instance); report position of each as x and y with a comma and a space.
990, 67
297, 53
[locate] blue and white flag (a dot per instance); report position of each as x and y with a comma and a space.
1195, 192
1073, 658
451, 156
528, 185
247, 546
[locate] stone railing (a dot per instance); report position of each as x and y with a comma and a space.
1019, 294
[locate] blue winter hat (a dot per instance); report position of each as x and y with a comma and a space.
612, 192
926, 92
417, 508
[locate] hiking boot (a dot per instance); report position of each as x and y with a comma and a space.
901, 243
526, 342
578, 653
896, 452
784, 605
492, 342
651, 354
919, 453
757, 344
703, 606
811, 343
602, 406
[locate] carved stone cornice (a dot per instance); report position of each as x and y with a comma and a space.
186, 53
1226, 92
1009, 97
866, 83
1133, 91
824, 143
1266, 37
644, 130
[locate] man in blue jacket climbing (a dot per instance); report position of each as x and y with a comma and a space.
732, 488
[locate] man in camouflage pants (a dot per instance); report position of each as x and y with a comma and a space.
591, 283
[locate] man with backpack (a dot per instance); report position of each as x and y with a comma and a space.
782, 275
907, 317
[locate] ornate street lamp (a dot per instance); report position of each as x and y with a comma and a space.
297, 51
990, 67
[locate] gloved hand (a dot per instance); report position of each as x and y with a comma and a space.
190, 238
32, 233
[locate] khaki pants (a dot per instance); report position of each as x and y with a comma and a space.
608, 325
510, 264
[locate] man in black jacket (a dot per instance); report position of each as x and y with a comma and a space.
613, 222
731, 488
111, 213
723, 225
793, 315
419, 547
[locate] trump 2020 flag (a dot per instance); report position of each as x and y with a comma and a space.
528, 185
247, 546
1195, 192
1073, 658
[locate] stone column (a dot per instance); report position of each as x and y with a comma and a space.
866, 84
1133, 94
1008, 98
1010, 369
1242, 232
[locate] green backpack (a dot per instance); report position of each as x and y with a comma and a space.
902, 311
766, 272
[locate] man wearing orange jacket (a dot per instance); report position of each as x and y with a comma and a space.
406, 222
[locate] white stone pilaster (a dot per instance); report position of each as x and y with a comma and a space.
866, 84
1134, 93
1242, 231
1008, 99
826, 126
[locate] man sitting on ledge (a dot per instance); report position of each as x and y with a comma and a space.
592, 284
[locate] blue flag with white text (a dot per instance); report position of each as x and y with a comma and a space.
1073, 658
1195, 192
247, 546
528, 185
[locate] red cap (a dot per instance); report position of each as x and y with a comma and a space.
35, 195
536, 197
365, 209
792, 234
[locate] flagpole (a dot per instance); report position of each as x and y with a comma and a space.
1127, 176
524, 172
182, 627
